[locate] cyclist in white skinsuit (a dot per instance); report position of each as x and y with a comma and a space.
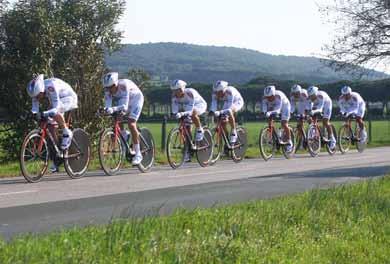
276, 102
322, 103
129, 100
62, 99
351, 103
300, 103
232, 103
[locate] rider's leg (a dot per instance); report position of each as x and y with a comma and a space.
134, 113
286, 131
363, 133
53, 128
331, 138
199, 129
66, 132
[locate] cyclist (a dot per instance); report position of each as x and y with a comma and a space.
232, 103
188, 102
61, 98
300, 103
130, 100
276, 102
351, 103
322, 104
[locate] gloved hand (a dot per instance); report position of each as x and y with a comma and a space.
109, 110
179, 115
268, 114
217, 113
38, 116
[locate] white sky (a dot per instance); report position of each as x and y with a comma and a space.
288, 27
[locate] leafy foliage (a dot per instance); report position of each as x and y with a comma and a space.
60, 38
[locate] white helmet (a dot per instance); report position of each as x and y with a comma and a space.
269, 91
110, 79
36, 86
313, 90
296, 88
220, 86
303, 91
346, 90
178, 84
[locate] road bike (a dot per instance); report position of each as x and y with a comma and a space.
351, 136
318, 136
221, 142
114, 148
180, 145
300, 134
39, 146
272, 140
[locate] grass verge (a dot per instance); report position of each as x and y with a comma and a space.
347, 224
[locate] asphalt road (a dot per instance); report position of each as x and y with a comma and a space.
59, 202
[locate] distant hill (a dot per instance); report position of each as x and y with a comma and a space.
206, 64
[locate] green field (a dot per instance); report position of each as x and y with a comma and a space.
380, 137
347, 224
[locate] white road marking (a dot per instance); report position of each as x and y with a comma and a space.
21, 192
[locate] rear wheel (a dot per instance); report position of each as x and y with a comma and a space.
176, 148
288, 154
217, 146
147, 149
239, 148
78, 154
34, 157
313, 140
267, 143
110, 152
360, 145
345, 139
326, 135
300, 136
204, 151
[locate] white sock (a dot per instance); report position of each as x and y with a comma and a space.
137, 149
234, 132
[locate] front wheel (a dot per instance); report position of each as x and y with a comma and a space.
267, 144
313, 140
77, 156
176, 148
34, 157
239, 148
147, 149
110, 152
344, 139
204, 148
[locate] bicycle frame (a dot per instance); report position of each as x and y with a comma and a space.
221, 132
185, 135
315, 123
273, 133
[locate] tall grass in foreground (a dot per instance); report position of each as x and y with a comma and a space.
347, 224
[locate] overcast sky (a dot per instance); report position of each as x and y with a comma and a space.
278, 26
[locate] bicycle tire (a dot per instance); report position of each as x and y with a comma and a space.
23, 166
360, 146
217, 146
313, 140
238, 153
77, 166
147, 149
325, 132
173, 144
204, 154
289, 154
263, 138
109, 169
345, 135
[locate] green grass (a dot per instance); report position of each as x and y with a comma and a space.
380, 136
347, 224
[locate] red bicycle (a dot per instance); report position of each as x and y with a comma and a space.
40, 145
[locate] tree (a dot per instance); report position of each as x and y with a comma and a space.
362, 33
61, 38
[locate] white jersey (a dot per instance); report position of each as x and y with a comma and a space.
127, 94
280, 105
61, 96
231, 99
323, 104
300, 104
353, 105
191, 101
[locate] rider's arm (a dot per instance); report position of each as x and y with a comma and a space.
175, 105
318, 105
35, 106
190, 105
278, 105
214, 103
264, 105
124, 100
292, 100
229, 100
54, 98
107, 98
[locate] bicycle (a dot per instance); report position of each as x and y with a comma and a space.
39, 146
180, 143
300, 134
113, 147
272, 140
318, 135
348, 136
222, 143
